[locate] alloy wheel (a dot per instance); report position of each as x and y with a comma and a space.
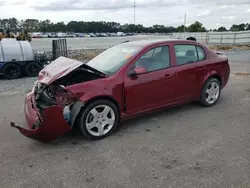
212, 92
100, 120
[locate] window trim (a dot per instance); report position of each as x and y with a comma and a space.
195, 45
170, 63
205, 54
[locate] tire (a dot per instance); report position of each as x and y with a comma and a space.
95, 133
32, 69
11, 71
208, 92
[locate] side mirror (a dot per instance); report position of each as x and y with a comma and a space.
138, 70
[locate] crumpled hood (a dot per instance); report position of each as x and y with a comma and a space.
57, 69
60, 68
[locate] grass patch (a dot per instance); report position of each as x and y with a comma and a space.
85, 56
242, 74
229, 47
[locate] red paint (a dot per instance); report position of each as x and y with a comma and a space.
138, 94
53, 124
140, 70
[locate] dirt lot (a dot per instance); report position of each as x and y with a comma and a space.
187, 147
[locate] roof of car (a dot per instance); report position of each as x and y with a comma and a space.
143, 43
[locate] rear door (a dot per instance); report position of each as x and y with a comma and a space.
153, 88
189, 64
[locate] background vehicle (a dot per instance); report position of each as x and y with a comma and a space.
17, 58
126, 80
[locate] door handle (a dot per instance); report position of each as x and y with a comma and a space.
201, 68
167, 76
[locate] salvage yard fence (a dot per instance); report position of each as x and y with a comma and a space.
220, 38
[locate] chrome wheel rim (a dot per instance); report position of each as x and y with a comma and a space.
100, 120
212, 92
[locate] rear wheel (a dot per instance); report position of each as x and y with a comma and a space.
99, 119
32, 69
211, 92
11, 71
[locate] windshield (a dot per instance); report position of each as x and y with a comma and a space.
112, 59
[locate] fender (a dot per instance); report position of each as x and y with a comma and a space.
90, 95
205, 78
76, 108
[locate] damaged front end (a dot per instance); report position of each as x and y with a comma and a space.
48, 107
47, 112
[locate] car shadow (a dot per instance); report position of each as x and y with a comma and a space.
167, 112
75, 136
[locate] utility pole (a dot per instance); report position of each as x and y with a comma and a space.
134, 12
185, 17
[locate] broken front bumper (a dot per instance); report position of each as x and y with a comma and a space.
48, 127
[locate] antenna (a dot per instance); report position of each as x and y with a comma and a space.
134, 12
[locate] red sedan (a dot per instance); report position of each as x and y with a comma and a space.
126, 80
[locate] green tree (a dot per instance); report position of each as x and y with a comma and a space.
221, 29
58, 27
242, 27
45, 26
31, 25
247, 26
234, 27
181, 28
196, 27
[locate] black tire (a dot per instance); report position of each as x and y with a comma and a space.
32, 69
84, 116
203, 97
11, 71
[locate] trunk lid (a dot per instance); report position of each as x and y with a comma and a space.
60, 68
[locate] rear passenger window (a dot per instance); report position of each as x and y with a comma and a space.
201, 53
185, 54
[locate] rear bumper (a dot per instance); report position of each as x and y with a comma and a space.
48, 127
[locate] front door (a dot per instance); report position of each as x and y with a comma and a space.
152, 88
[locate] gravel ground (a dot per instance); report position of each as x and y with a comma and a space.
91, 43
187, 147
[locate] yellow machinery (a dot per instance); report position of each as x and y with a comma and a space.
23, 36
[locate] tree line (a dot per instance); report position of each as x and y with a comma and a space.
34, 25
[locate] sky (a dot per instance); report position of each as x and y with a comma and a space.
212, 13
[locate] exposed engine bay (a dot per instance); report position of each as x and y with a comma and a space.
79, 75
55, 94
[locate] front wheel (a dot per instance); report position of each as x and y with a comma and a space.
99, 119
211, 92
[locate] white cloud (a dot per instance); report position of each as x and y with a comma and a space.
228, 17
148, 12
204, 13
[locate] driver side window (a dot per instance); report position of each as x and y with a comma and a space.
155, 59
